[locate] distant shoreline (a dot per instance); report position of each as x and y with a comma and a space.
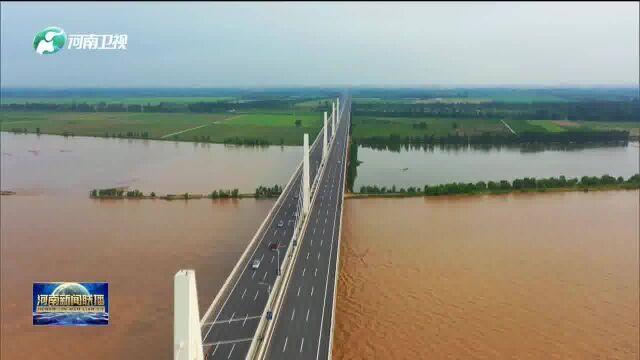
349, 195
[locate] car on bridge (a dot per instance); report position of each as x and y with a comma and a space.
280, 223
273, 246
256, 264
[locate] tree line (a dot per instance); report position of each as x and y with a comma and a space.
519, 184
591, 110
394, 141
225, 194
268, 192
117, 193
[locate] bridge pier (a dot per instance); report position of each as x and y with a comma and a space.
337, 110
187, 338
305, 177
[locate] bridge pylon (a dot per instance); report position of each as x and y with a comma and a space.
333, 119
337, 110
187, 338
306, 191
325, 141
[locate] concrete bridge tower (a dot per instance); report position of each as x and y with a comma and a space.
333, 119
325, 141
305, 178
337, 110
187, 338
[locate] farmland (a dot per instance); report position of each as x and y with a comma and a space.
218, 128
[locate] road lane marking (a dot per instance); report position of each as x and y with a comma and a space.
262, 258
255, 297
231, 352
293, 314
318, 255
285, 344
228, 321
253, 274
214, 351
323, 231
311, 242
303, 271
307, 255
231, 317
312, 291
245, 319
298, 291
265, 276
307, 320
302, 343
244, 292
275, 232
273, 257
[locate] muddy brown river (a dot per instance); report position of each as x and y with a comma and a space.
540, 276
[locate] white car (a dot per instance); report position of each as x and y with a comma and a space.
256, 264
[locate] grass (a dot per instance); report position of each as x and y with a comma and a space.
114, 100
274, 128
547, 125
277, 119
365, 127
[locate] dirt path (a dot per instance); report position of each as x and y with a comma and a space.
197, 127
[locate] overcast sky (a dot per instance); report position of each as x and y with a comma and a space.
325, 44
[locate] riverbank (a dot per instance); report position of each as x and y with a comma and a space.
187, 196
121, 193
525, 185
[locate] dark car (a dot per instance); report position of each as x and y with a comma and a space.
273, 246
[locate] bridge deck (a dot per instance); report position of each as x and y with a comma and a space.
227, 333
303, 324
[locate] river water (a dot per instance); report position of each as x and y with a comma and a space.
528, 276
439, 165
52, 231
468, 277
48, 163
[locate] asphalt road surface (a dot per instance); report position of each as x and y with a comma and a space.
227, 334
303, 324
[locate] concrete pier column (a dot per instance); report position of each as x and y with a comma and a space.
333, 119
187, 339
337, 110
305, 177
325, 141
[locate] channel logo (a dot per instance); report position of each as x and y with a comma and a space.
70, 304
49, 40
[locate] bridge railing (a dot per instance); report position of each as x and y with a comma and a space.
227, 287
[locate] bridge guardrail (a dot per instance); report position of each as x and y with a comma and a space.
236, 272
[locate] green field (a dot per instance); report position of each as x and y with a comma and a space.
114, 100
216, 128
548, 125
277, 119
365, 127
563, 126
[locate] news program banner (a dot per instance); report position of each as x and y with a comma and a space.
70, 304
